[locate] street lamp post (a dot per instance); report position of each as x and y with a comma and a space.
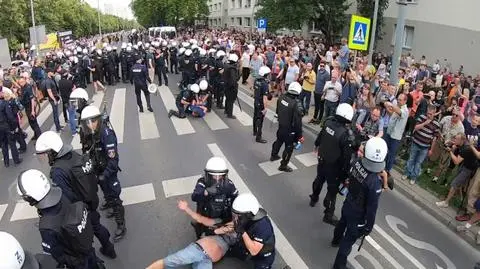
374, 31
99, 22
252, 22
35, 41
397, 53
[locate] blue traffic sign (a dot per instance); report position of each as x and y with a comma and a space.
262, 24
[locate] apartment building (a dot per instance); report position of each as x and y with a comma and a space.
231, 13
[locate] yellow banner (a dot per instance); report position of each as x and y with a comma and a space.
51, 42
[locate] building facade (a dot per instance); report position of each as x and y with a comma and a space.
231, 13
438, 29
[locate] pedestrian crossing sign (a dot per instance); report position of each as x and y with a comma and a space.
359, 33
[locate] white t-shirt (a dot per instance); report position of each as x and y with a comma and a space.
332, 91
245, 59
329, 56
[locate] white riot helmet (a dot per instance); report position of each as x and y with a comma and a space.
147, 45
129, 44
174, 43
193, 41
124, 45
139, 43
91, 119
12, 255
264, 70
99, 52
203, 85
374, 155
246, 203
202, 52
129, 49
79, 50
135, 47
212, 51
220, 53
195, 88
85, 51
194, 47
49, 141
181, 51
109, 48
185, 44
78, 98
35, 188
294, 88
233, 57
152, 88
215, 169
345, 111
188, 52
164, 43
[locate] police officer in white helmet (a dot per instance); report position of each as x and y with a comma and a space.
231, 76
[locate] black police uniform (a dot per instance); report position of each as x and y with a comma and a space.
230, 76
8, 121
186, 96
111, 62
104, 154
334, 145
290, 113
124, 65
160, 61
173, 59
259, 229
75, 176
202, 67
260, 87
217, 81
130, 59
358, 211
139, 78
116, 57
106, 68
187, 67
26, 100
85, 72
217, 204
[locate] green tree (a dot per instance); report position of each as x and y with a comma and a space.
169, 12
285, 13
330, 18
366, 7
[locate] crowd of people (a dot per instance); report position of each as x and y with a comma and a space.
432, 110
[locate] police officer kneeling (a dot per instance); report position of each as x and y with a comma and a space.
100, 142
290, 113
334, 149
257, 239
65, 227
214, 194
74, 176
360, 206
261, 96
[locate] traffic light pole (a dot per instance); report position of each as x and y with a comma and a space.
374, 32
399, 40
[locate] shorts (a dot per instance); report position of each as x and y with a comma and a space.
462, 177
192, 254
477, 205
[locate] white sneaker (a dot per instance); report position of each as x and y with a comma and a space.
441, 204
404, 177
435, 179
412, 182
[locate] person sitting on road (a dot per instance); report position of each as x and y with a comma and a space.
203, 252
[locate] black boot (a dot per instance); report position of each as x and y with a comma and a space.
332, 220
285, 168
108, 251
274, 158
119, 212
313, 200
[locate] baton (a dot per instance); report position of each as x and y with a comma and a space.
361, 242
240, 106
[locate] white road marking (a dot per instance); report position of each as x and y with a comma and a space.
383, 252
138, 194
271, 168
355, 264
214, 121
242, 116
148, 125
399, 247
179, 186
307, 159
288, 253
3, 208
182, 126
24, 211
117, 113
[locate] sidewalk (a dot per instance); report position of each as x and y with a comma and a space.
415, 193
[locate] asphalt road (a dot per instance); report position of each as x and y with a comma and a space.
161, 159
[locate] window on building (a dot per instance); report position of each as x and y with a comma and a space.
240, 4
232, 21
408, 35
215, 7
247, 22
233, 4
239, 21
249, 3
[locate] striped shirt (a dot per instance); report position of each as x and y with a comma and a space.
424, 136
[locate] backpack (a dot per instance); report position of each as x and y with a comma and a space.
83, 179
74, 225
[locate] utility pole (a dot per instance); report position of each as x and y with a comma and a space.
374, 32
252, 20
35, 41
399, 39
99, 22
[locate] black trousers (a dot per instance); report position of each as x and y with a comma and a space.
7, 140
326, 173
33, 124
65, 108
173, 64
230, 97
284, 136
319, 106
219, 91
138, 93
258, 118
245, 74
162, 71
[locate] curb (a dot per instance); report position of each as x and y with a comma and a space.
420, 197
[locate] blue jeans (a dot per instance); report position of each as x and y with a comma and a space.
305, 97
72, 114
414, 163
55, 115
393, 145
192, 254
330, 108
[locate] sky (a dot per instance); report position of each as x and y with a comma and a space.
114, 7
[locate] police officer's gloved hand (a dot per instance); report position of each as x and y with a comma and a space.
101, 177
364, 231
212, 190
